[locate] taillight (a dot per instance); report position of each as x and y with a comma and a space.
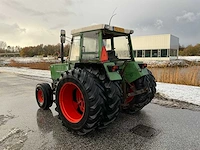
142, 66
113, 68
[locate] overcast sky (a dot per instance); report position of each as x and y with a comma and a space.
28, 22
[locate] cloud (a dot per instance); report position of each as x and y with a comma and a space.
60, 13
20, 7
58, 26
149, 27
158, 24
41, 19
12, 33
68, 2
42, 12
3, 17
188, 17
6, 29
142, 28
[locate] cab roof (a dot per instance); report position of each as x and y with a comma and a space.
101, 27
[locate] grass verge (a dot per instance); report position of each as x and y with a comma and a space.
178, 75
35, 65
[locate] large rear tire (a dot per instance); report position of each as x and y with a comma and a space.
113, 93
139, 101
152, 84
79, 100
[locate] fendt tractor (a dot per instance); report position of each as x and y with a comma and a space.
99, 79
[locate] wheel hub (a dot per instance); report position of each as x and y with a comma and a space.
72, 102
40, 96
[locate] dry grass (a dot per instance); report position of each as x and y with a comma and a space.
178, 75
35, 65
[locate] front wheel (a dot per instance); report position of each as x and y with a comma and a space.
44, 95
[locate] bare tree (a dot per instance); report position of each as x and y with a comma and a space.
3, 45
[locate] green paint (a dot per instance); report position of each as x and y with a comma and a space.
100, 43
81, 47
58, 69
113, 76
132, 71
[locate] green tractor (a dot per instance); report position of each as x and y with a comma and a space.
98, 80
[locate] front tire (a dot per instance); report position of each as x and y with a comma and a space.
79, 101
44, 95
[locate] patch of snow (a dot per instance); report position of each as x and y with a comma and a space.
13, 131
185, 93
6, 60
167, 63
27, 71
181, 61
32, 59
15, 139
190, 58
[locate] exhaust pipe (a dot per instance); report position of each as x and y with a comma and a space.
62, 40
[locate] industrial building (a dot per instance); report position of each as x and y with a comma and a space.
156, 47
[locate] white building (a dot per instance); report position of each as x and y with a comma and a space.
155, 47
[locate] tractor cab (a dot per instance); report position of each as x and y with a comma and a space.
101, 43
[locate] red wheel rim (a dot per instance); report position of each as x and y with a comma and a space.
72, 102
129, 90
40, 96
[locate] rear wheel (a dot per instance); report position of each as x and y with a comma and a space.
112, 104
152, 84
44, 95
79, 101
139, 101
113, 93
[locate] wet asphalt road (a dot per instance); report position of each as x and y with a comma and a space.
24, 126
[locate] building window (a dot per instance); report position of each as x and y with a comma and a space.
173, 52
147, 53
163, 52
134, 53
139, 53
154, 53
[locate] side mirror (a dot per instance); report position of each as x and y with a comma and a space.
62, 36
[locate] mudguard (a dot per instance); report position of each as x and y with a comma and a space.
132, 71
113, 76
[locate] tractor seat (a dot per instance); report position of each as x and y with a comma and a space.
111, 55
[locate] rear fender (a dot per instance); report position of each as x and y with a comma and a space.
112, 75
132, 71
